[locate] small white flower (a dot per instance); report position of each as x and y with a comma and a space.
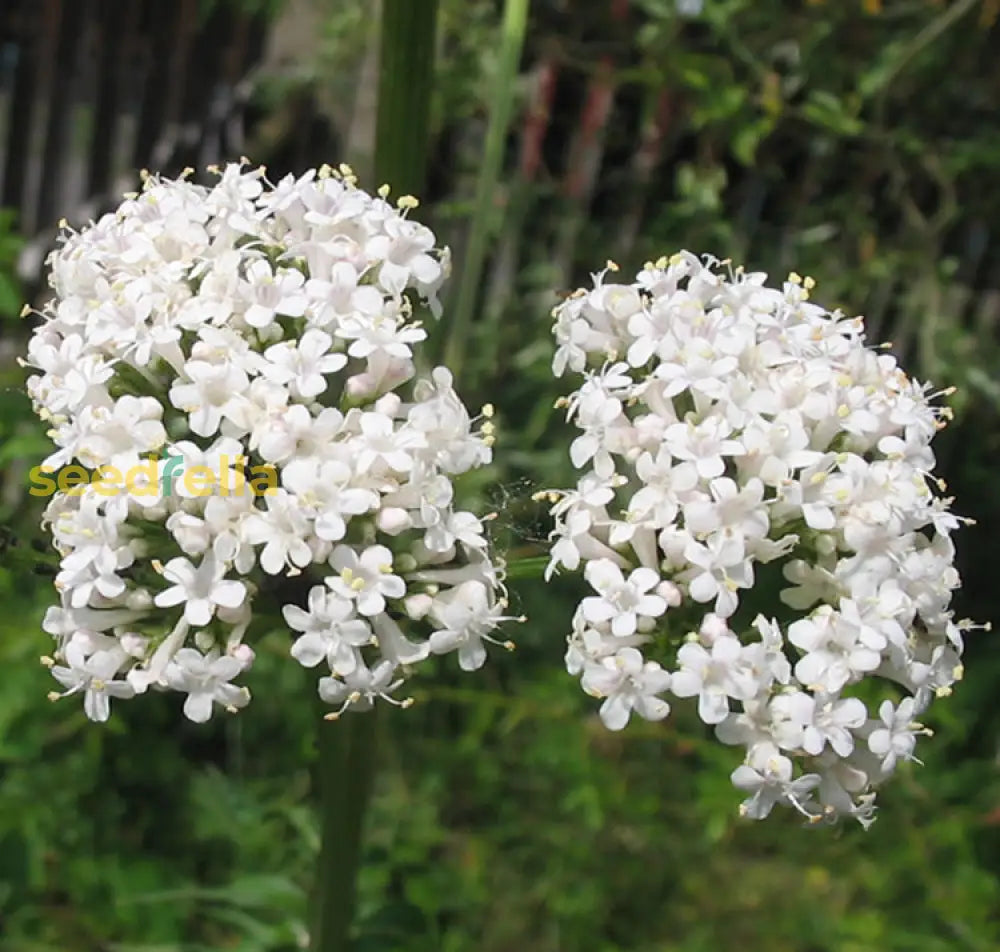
303, 366
283, 531
466, 616
768, 778
895, 737
623, 601
713, 676
627, 684
95, 677
205, 680
360, 688
365, 579
202, 589
810, 723
382, 444
209, 395
271, 294
330, 632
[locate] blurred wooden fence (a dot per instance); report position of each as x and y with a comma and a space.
91, 90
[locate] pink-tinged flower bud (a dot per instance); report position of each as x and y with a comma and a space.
244, 654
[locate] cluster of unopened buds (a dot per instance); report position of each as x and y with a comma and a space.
738, 443
228, 374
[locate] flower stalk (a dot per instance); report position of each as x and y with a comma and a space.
345, 773
483, 225
347, 747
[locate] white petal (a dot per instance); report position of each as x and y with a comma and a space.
198, 707
615, 712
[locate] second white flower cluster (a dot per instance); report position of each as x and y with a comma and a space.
736, 440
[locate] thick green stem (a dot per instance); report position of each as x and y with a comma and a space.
347, 747
406, 76
345, 773
483, 217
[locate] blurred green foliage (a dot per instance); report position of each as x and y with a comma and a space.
851, 141
10, 247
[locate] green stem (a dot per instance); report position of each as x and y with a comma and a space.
514, 23
347, 747
533, 566
406, 76
345, 773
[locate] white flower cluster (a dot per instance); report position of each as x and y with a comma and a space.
270, 329
737, 441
